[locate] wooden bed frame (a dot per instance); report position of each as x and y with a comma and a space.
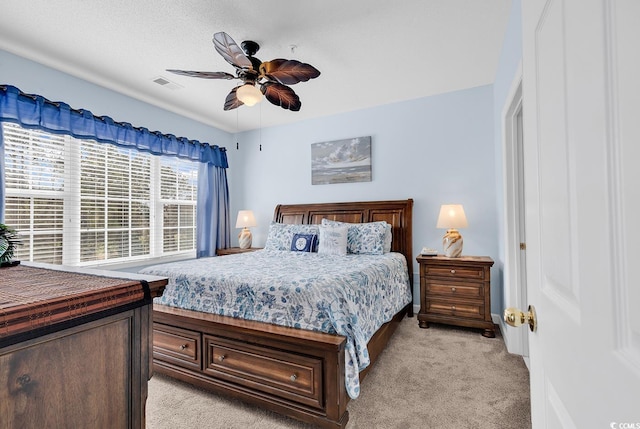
290, 371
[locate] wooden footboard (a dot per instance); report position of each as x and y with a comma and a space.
290, 371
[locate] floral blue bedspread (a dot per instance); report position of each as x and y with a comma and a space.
350, 295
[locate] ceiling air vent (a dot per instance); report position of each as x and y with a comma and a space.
163, 81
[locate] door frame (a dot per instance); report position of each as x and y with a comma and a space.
515, 293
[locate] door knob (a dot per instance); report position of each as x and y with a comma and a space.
516, 317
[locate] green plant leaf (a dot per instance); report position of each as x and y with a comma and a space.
4, 246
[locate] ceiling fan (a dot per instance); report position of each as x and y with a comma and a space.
272, 76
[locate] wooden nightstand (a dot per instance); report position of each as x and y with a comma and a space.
456, 291
234, 250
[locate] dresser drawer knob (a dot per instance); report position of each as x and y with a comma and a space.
453, 289
23, 380
453, 307
453, 271
221, 358
184, 346
293, 377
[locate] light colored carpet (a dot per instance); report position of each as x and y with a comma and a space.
441, 377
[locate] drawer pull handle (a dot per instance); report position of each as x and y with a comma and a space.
453, 307
221, 358
453, 271
453, 289
184, 346
293, 377
23, 380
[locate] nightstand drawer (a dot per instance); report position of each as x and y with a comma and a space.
455, 271
455, 290
453, 308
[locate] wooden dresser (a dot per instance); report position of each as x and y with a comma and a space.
456, 291
75, 347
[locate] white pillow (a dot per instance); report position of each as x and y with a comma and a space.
388, 238
370, 238
333, 240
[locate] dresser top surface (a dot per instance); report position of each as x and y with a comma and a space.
33, 297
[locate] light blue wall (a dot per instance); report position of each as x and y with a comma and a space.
436, 150
510, 58
35, 78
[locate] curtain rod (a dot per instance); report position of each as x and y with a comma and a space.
81, 112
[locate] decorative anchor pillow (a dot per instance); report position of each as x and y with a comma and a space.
304, 243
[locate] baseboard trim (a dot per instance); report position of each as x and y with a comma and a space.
416, 309
497, 320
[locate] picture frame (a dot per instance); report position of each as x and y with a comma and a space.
341, 161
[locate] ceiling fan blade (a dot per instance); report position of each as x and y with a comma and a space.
281, 95
231, 102
230, 51
203, 75
288, 72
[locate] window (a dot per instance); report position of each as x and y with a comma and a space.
178, 193
115, 196
79, 202
35, 191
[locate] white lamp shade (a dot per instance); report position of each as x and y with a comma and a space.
249, 94
245, 219
452, 216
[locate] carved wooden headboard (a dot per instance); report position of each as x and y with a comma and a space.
397, 213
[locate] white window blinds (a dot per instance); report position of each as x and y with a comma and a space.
35, 179
80, 202
115, 196
178, 194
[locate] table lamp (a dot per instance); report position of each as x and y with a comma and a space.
244, 221
452, 217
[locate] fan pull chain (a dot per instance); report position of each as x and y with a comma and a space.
237, 143
260, 127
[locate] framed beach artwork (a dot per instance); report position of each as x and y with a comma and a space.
341, 161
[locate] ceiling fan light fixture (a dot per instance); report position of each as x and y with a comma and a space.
249, 94
273, 77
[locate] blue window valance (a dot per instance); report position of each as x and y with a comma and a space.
34, 111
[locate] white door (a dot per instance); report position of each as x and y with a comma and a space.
581, 91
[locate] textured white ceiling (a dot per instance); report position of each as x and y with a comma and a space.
370, 52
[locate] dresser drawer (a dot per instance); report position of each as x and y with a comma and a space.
293, 377
455, 271
467, 290
176, 345
467, 310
